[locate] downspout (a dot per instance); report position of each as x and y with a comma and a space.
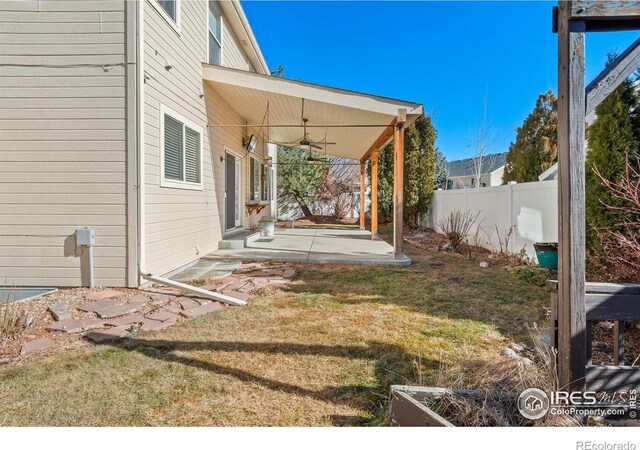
145, 274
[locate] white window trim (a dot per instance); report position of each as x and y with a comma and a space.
174, 184
258, 162
175, 25
221, 42
238, 157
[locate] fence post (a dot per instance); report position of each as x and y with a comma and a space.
512, 225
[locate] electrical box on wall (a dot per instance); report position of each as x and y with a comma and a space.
270, 150
85, 237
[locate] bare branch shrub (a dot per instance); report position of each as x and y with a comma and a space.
13, 319
339, 190
620, 258
456, 225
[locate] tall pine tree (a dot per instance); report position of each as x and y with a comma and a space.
536, 146
612, 137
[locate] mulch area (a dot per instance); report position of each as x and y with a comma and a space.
96, 316
324, 220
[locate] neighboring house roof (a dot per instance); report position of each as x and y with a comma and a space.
466, 167
550, 173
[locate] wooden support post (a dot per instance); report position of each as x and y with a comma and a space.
362, 194
618, 343
374, 193
398, 182
571, 201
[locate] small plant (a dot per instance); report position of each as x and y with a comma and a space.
13, 319
456, 226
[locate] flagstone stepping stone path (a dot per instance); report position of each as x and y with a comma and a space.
110, 314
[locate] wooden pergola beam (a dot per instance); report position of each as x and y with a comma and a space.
374, 193
602, 10
613, 76
380, 142
362, 195
571, 200
398, 181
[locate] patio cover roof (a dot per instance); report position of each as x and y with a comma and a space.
345, 116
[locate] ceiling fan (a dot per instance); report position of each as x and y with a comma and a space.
305, 143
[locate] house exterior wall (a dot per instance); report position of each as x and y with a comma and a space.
489, 179
63, 141
182, 225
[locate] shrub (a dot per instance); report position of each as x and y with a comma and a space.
456, 225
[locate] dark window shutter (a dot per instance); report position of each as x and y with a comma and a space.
192, 156
173, 158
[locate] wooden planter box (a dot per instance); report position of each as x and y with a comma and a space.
407, 408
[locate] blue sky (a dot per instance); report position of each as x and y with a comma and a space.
446, 55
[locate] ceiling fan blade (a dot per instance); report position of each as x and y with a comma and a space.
311, 144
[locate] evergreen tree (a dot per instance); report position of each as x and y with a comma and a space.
297, 178
441, 173
612, 137
536, 146
419, 172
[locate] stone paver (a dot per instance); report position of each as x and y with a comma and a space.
161, 299
37, 345
120, 310
125, 320
93, 306
76, 325
237, 295
101, 295
188, 303
159, 321
201, 310
108, 334
60, 311
173, 308
289, 273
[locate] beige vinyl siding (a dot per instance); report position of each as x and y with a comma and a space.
232, 54
182, 225
62, 141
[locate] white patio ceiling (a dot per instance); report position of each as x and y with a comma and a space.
249, 93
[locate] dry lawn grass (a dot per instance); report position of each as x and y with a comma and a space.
323, 350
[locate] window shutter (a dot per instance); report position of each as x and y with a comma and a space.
173, 159
192, 156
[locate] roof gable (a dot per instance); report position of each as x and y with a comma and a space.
466, 167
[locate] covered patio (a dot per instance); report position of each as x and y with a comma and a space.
330, 121
315, 245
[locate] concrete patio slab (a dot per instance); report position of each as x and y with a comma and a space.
316, 245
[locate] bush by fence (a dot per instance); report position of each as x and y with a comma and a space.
528, 210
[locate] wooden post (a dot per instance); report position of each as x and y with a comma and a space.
398, 181
571, 201
362, 194
374, 193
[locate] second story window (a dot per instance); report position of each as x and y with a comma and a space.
171, 8
215, 34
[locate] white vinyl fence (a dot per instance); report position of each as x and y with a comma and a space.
529, 209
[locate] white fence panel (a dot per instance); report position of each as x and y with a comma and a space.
530, 210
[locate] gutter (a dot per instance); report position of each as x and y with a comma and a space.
142, 271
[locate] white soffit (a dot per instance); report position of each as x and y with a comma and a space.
249, 93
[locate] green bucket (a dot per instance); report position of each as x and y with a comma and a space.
547, 254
